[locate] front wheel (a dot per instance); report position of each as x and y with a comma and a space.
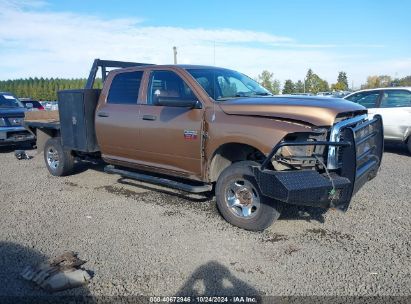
59, 162
240, 200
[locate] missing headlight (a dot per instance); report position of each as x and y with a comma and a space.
300, 157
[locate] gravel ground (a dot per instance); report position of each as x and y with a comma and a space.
140, 239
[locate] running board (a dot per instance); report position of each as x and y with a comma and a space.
159, 180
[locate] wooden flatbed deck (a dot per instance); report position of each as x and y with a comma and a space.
42, 119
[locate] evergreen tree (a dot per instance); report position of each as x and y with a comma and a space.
309, 81
343, 80
314, 84
299, 87
289, 87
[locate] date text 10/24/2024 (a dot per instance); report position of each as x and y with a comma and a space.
204, 299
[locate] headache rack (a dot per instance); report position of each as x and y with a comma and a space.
105, 65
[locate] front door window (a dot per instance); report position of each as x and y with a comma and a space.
367, 99
167, 85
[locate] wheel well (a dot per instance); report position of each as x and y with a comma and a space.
231, 153
42, 135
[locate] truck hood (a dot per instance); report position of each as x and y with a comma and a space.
319, 111
12, 112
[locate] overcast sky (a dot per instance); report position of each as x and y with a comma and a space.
61, 38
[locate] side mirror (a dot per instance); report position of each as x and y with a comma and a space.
180, 103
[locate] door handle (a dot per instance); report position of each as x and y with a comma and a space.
149, 117
102, 114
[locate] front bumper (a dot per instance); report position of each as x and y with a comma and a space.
15, 135
360, 157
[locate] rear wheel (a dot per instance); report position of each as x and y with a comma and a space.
58, 161
240, 200
409, 144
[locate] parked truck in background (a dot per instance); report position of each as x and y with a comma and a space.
12, 111
213, 129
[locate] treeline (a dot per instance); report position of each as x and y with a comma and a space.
383, 81
43, 88
312, 83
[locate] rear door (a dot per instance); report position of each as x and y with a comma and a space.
171, 136
117, 118
395, 109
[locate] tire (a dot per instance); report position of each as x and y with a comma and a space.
409, 145
240, 200
59, 162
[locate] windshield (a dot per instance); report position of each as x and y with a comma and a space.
222, 84
35, 103
9, 101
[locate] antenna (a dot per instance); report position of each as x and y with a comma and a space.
175, 54
214, 52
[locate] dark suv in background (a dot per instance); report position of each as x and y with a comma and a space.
11, 119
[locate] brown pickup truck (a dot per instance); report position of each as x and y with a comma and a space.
205, 129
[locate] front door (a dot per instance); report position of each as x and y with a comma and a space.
395, 109
171, 136
117, 119
368, 99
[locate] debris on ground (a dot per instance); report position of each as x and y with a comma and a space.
21, 154
291, 249
60, 273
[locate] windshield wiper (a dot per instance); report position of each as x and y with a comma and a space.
224, 98
243, 95
263, 94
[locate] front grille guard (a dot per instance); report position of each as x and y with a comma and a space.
361, 154
366, 153
335, 135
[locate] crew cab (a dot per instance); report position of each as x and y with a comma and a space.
214, 129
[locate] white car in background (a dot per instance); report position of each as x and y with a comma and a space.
50, 105
394, 105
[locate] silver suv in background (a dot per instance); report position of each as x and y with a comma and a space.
394, 105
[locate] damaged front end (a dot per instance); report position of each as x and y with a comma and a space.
323, 170
298, 157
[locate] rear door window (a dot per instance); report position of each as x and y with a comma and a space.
125, 87
396, 99
367, 99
